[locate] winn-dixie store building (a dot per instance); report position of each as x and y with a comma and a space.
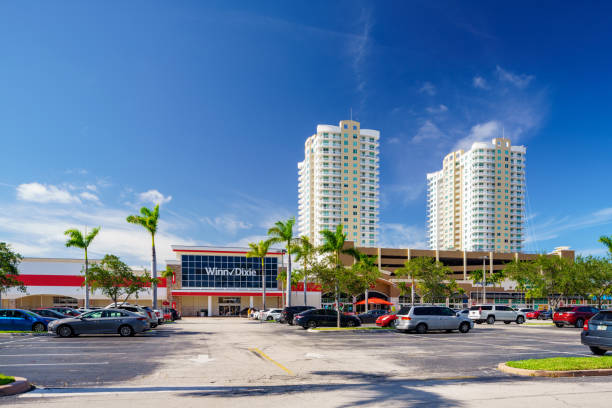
223, 281
59, 282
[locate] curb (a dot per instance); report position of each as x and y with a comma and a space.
548, 373
19, 386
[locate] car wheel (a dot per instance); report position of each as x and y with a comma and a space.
464, 327
64, 331
393, 323
559, 325
38, 327
597, 351
490, 319
507, 322
312, 324
478, 321
126, 331
350, 323
421, 328
153, 325
520, 320
269, 318
290, 322
540, 317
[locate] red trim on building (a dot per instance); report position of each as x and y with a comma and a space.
220, 252
62, 280
256, 294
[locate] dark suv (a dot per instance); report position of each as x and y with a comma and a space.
324, 317
573, 315
288, 313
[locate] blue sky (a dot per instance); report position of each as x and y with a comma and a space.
205, 106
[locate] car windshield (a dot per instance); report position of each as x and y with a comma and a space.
475, 308
565, 309
31, 313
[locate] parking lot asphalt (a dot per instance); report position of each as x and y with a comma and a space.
239, 361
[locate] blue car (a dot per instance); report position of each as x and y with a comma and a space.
23, 320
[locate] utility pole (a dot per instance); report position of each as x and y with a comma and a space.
484, 280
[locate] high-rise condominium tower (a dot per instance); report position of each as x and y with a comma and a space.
338, 183
476, 202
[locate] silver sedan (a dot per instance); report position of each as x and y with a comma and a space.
103, 321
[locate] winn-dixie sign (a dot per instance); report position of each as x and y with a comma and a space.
231, 272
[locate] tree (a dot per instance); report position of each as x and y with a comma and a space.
431, 280
333, 247
78, 240
9, 272
282, 278
260, 250
304, 251
411, 269
477, 276
282, 232
117, 280
148, 219
607, 241
361, 276
452, 290
597, 273
550, 277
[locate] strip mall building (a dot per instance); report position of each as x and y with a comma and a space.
222, 281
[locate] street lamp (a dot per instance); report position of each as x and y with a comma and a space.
484, 279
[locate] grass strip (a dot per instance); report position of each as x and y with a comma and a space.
6, 379
16, 331
563, 363
351, 328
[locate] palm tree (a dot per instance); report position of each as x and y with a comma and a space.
148, 219
412, 268
607, 241
77, 240
334, 246
304, 251
260, 250
282, 232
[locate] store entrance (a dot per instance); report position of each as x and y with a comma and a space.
229, 310
229, 306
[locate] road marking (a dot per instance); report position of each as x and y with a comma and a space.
51, 364
202, 358
264, 355
20, 340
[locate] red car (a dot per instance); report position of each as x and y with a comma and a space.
534, 314
573, 315
387, 320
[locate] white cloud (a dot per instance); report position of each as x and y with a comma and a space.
41, 193
227, 223
478, 133
154, 197
428, 131
518, 80
91, 187
393, 140
396, 235
480, 82
438, 109
38, 230
428, 88
85, 195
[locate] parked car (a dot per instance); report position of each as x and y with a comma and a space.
573, 315
151, 313
464, 312
23, 320
171, 314
387, 320
289, 313
324, 317
271, 314
160, 316
68, 311
49, 313
101, 321
597, 333
422, 319
538, 314
371, 315
491, 313
136, 309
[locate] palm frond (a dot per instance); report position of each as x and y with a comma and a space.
91, 235
75, 238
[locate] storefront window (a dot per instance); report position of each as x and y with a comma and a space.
215, 271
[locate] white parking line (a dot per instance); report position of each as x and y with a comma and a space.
51, 364
20, 340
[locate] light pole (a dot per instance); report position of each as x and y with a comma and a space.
484, 279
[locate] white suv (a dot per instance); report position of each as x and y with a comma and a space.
491, 313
